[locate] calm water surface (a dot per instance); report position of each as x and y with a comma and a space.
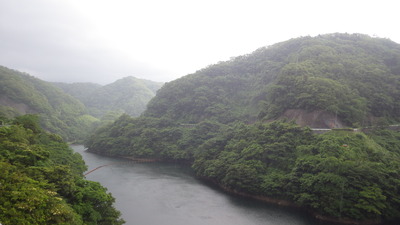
168, 194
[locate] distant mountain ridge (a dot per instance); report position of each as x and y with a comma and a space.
128, 95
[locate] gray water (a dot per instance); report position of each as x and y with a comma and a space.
169, 194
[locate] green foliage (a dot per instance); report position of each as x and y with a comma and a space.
340, 174
389, 139
30, 122
344, 74
316, 93
8, 112
351, 169
127, 136
41, 180
217, 93
26, 201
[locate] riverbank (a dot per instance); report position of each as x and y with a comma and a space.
144, 160
286, 203
279, 202
170, 194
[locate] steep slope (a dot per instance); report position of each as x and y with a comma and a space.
128, 95
60, 113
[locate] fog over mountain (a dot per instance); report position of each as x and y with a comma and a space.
102, 41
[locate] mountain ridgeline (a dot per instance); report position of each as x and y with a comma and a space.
61, 113
352, 76
72, 110
225, 120
128, 95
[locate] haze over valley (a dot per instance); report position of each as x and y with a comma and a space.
103, 41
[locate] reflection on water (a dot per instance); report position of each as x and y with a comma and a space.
168, 194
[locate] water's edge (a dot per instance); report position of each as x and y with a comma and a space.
286, 203
275, 201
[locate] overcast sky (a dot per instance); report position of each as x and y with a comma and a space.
104, 40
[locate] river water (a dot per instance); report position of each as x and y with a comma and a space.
169, 194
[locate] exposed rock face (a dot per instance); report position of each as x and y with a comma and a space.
22, 108
314, 119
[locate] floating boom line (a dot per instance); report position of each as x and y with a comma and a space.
131, 160
103, 166
97, 168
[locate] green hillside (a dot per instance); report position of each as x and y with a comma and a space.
355, 77
221, 121
59, 112
128, 95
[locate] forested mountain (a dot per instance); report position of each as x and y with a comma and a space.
221, 121
60, 113
355, 77
41, 180
76, 109
128, 95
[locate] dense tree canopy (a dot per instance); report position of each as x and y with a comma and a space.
353, 76
341, 174
356, 71
41, 180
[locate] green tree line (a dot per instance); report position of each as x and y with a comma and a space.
340, 174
